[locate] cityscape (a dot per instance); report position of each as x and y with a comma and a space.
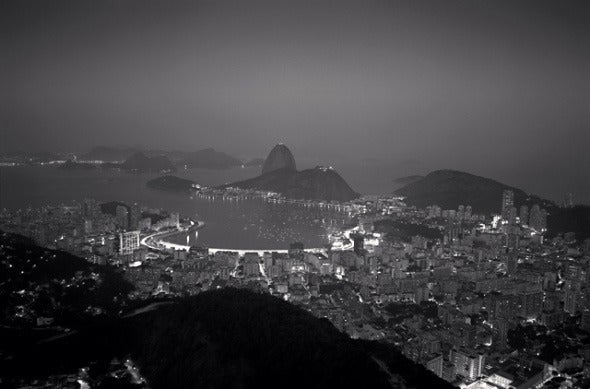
316, 250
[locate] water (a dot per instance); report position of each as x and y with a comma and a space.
244, 224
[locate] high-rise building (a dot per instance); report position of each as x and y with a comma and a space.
468, 364
507, 203
523, 214
128, 242
122, 217
134, 216
468, 211
435, 364
296, 250
359, 243
538, 218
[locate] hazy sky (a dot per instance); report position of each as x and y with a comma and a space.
478, 84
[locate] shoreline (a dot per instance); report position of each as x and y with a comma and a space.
159, 239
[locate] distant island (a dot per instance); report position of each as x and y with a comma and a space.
172, 184
279, 175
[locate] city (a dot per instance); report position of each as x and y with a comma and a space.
483, 301
263, 194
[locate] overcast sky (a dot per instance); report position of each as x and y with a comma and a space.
468, 83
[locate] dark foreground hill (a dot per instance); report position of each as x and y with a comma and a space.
450, 188
232, 338
319, 183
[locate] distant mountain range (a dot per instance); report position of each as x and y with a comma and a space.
450, 188
279, 175
206, 158
141, 163
209, 159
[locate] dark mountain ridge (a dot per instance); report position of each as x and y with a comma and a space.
233, 338
319, 183
450, 188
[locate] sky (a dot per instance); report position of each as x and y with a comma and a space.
499, 88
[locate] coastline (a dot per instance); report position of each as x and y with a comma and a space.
158, 241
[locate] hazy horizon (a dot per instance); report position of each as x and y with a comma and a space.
498, 89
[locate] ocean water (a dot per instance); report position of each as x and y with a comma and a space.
243, 224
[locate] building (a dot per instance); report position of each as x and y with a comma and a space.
296, 250
128, 242
435, 364
523, 214
507, 203
122, 217
468, 364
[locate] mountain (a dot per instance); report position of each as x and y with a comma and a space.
450, 188
108, 154
172, 184
407, 180
320, 183
141, 163
279, 175
280, 157
233, 338
256, 162
210, 159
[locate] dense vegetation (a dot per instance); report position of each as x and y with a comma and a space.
233, 338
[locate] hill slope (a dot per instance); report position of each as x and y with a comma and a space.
233, 338
451, 188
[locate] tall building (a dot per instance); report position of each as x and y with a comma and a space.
435, 364
468, 211
507, 203
122, 217
359, 243
523, 214
538, 218
468, 364
128, 242
296, 250
134, 216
